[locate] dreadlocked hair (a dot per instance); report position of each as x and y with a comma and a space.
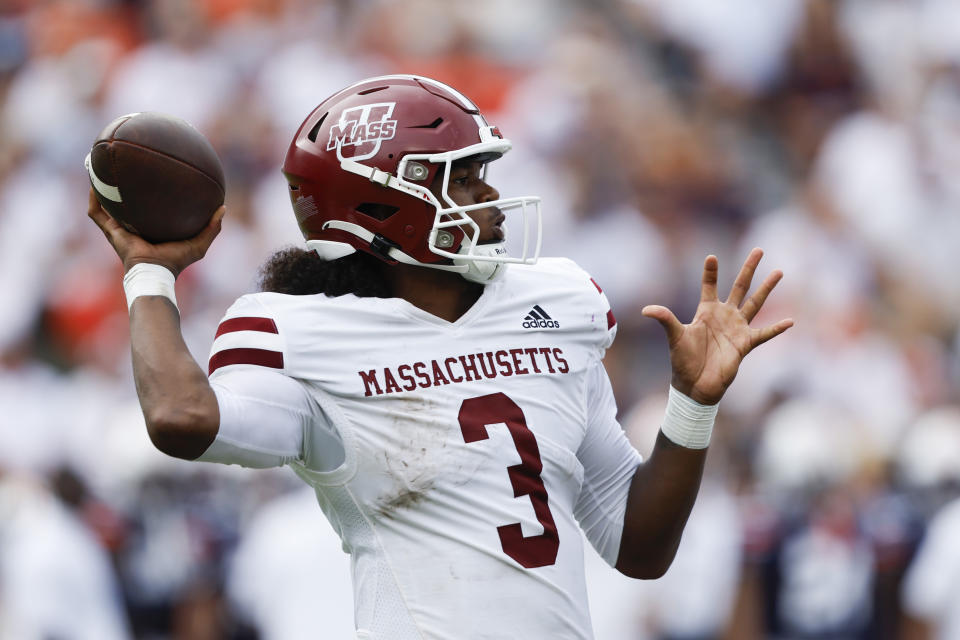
297, 271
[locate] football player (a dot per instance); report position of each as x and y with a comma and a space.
446, 400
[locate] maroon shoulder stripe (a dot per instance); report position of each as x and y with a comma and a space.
611, 321
264, 325
260, 357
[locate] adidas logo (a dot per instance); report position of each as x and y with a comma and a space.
538, 319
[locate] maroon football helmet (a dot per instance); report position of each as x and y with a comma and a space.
360, 169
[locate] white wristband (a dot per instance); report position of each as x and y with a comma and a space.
146, 279
687, 422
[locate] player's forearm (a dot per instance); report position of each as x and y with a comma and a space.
661, 496
178, 403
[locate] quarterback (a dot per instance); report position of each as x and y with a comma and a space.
445, 398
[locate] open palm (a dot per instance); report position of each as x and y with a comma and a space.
706, 354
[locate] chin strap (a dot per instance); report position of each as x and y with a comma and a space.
473, 270
384, 247
483, 271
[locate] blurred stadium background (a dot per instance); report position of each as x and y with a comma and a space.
656, 131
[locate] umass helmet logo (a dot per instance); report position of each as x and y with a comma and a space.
362, 128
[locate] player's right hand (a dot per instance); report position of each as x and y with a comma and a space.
132, 249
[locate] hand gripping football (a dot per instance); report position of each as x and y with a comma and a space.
156, 175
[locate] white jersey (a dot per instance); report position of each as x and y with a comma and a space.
457, 461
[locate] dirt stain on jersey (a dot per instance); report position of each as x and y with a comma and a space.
403, 500
420, 456
410, 478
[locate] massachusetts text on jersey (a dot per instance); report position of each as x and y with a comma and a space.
463, 368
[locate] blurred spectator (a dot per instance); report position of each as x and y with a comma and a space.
828, 534
928, 458
824, 131
931, 591
176, 70
55, 580
741, 45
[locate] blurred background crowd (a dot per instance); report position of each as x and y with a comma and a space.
656, 132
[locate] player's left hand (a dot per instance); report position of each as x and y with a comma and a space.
706, 354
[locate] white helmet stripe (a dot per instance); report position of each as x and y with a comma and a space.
481, 123
464, 100
436, 83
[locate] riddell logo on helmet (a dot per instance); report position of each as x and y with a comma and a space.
363, 127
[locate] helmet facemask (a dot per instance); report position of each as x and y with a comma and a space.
474, 261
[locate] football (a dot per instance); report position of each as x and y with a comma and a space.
157, 175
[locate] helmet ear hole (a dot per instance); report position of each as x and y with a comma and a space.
376, 210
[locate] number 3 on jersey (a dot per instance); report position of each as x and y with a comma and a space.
475, 415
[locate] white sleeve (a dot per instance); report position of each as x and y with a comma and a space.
609, 461
266, 419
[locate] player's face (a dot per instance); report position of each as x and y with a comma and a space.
468, 187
